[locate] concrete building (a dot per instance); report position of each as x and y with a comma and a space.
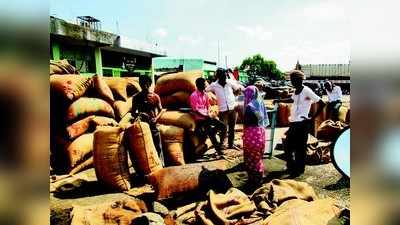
93, 51
171, 64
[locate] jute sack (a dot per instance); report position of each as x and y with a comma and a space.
79, 149
103, 121
141, 148
178, 119
343, 114
173, 181
121, 108
174, 82
125, 122
195, 146
70, 87
299, 212
323, 115
110, 158
230, 207
278, 191
78, 128
319, 153
133, 86
176, 100
118, 87
121, 212
103, 91
62, 67
82, 166
348, 117
283, 114
330, 130
88, 106
172, 139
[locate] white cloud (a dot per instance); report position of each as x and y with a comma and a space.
188, 39
325, 11
160, 33
258, 32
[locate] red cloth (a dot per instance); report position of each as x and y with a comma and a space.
236, 74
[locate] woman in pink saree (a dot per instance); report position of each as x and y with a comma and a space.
254, 135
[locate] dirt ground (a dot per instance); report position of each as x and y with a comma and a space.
325, 179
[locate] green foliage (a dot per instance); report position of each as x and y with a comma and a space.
256, 66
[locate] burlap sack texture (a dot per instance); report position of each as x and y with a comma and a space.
110, 158
172, 140
141, 148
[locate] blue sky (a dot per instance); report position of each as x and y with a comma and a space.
284, 31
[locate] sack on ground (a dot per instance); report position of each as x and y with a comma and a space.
319, 153
172, 139
88, 106
69, 87
330, 130
141, 148
174, 82
103, 91
173, 181
82, 166
299, 212
277, 192
110, 158
195, 146
121, 212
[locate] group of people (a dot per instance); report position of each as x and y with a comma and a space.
147, 105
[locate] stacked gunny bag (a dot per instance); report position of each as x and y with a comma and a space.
84, 115
175, 90
91, 126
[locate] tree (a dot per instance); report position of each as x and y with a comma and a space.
256, 66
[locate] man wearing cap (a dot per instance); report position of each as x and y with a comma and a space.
297, 135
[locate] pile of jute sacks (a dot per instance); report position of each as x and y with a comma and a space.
91, 126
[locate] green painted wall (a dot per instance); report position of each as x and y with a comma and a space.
56, 51
97, 57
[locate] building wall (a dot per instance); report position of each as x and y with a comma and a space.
326, 70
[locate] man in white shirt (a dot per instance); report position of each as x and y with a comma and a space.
297, 135
223, 88
334, 99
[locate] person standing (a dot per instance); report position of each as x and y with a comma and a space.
224, 90
147, 105
334, 99
205, 123
254, 134
297, 134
